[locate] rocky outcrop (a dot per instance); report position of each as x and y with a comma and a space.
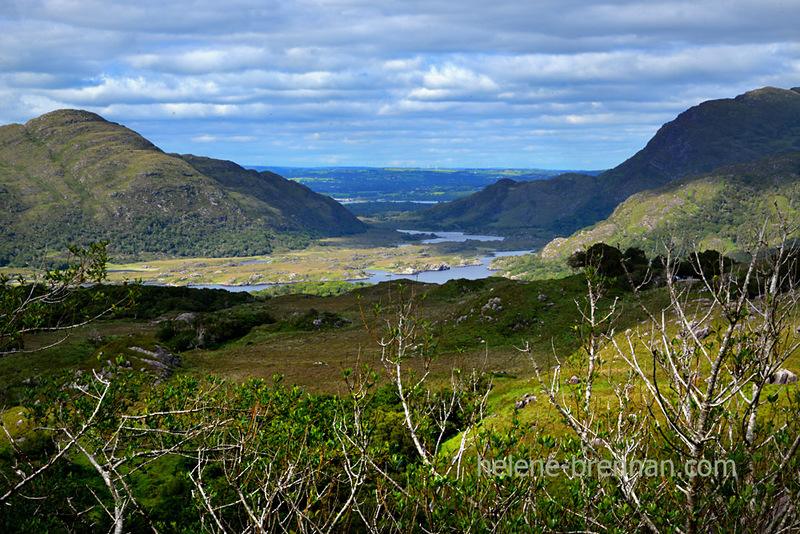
695, 331
782, 377
161, 361
525, 400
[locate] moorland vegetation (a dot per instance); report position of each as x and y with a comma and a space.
433, 427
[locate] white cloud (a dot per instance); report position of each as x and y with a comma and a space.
379, 81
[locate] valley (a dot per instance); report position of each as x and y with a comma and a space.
333, 259
233, 336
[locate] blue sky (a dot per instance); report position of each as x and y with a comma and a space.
561, 84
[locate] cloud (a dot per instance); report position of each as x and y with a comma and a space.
562, 84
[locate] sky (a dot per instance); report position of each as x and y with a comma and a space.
548, 84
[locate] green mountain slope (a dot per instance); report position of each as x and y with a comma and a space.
757, 124
511, 207
720, 210
72, 177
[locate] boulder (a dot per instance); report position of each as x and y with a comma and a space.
695, 331
782, 377
525, 400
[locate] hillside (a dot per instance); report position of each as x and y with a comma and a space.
757, 124
719, 210
70, 176
510, 207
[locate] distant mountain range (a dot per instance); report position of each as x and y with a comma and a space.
757, 124
72, 177
365, 184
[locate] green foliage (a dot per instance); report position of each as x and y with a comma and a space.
530, 267
312, 320
401, 449
211, 330
721, 210
321, 289
55, 301
603, 259
154, 301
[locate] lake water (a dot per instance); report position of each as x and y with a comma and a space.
470, 272
452, 237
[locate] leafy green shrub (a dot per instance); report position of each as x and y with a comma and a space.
210, 330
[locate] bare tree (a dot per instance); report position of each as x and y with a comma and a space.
701, 369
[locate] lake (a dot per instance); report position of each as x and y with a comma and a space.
452, 237
470, 272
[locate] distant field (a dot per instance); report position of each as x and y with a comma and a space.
373, 184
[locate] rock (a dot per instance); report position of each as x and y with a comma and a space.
187, 317
542, 298
165, 356
492, 304
161, 360
782, 377
695, 331
525, 400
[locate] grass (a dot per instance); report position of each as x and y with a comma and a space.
470, 336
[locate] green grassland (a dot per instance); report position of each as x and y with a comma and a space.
310, 340
478, 324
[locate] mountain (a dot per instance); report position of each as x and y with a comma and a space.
70, 176
720, 210
511, 207
757, 124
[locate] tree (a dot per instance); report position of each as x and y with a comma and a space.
48, 303
696, 392
605, 259
44, 303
